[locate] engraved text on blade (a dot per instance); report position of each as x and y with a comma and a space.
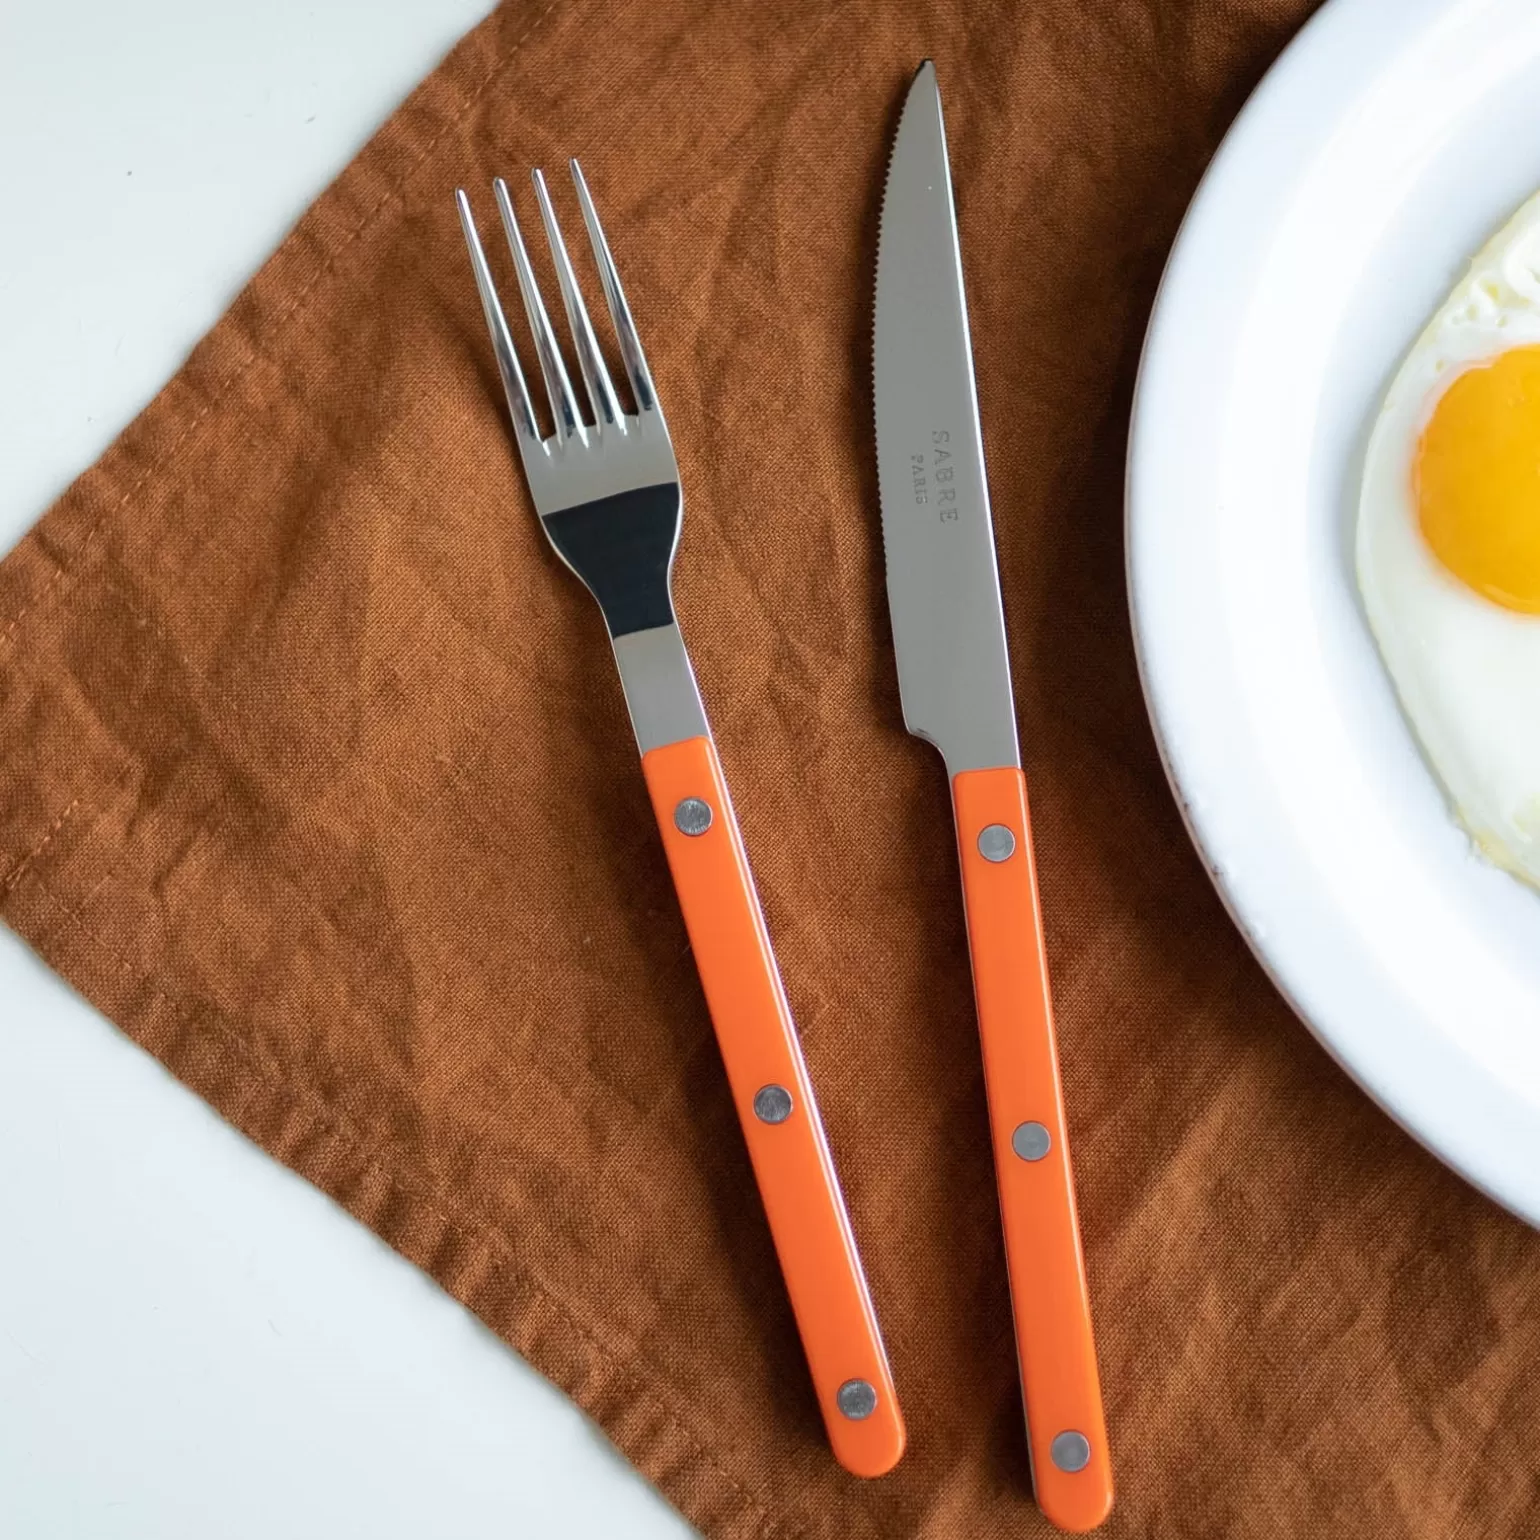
934, 477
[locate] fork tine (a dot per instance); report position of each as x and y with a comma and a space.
564, 411
601, 393
502, 343
620, 312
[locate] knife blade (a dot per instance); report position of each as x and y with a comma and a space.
955, 684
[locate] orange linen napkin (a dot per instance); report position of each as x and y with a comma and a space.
315, 777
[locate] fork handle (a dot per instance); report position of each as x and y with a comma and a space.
1066, 1429
774, 1098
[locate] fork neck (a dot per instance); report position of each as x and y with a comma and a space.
659, 683
622, 546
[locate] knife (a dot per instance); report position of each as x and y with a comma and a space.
955, 682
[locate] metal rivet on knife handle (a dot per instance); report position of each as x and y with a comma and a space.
692, 816
997, 843
772, 1104
1031, 1141
857, 1399
1070, 1451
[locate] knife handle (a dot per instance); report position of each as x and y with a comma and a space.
774, 1098
1066, 1428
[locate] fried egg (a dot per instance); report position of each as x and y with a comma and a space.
1448, 543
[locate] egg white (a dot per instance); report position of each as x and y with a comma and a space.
1467, 670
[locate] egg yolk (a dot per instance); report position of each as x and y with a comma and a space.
1477, 479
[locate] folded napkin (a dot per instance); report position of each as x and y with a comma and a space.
315, 777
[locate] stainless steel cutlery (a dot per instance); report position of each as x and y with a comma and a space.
955, 681
605, 486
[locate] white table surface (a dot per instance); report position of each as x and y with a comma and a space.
194, 1343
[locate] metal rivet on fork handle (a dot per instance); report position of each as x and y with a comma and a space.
857, 1399
692, 816
772, 1104
1070, 1451
1031, 1141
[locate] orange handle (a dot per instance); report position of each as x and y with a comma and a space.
775, 1105
1066, 1429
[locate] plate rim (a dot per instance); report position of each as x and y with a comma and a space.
1451, 1103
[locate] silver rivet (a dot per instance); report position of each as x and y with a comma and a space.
772, 1104
857, 1399
1070, 1451
1031, 1141
997, 843
692, 816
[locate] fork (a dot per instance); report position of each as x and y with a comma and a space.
606, 489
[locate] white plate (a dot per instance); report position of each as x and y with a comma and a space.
1383, 148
